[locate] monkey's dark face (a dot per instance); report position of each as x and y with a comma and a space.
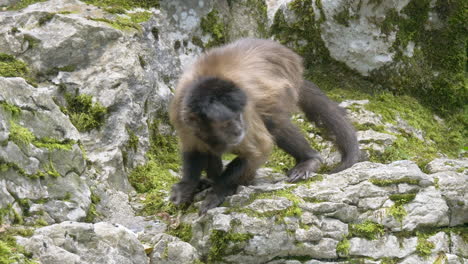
220, 135
215, 112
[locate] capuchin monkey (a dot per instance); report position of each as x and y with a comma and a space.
239, 98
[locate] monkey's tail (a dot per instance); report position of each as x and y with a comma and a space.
324, 112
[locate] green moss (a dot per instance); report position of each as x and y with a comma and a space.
50, 170
23, 3
441, 50
213, 25
258, 10
12, 109
129, 21
402, 198
304, 29
182, 231
132, 140
11, 67
388, 182
20, 135
52, 143
46, 18
342, 248
448, 137
91, 214
369, 230
124, 4
154, 178
84, 114
387, 260
41, 222
223, 242
342, 17
10, 251
424, 247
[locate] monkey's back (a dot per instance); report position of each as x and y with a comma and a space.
269, 72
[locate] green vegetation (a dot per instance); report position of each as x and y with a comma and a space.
222, 241
20, 135
342, 248
182, 231
213, 25
23, 3
14, 110
43, 20
154, 178
92, 213
84, 114
50, 170
132, 140
442, 50
117, 5
368, 230
397, 210
424, 247
11, 67
52, 143
128, 22
10, 251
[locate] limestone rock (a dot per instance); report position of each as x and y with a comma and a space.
71, 242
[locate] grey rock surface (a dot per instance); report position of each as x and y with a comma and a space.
82, 243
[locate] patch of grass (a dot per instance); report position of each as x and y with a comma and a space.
154, 178
52, 143
342, 248
424, 247
84, 114
20, 135
213, 25
14, 110
182, 231
128, 22
397, 210
10, 251
124, 4
368, 229
222, 242
46, 18
50, 170
23, 3
11, 67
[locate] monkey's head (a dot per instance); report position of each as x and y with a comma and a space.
215, 112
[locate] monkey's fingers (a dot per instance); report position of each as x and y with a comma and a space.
304, 170
182, 193
212, 200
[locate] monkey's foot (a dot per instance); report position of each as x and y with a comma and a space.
211, 201
203, 185
183, 192
304, 170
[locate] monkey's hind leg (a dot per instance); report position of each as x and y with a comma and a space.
289, 138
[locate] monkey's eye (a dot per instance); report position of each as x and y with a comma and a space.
226, 124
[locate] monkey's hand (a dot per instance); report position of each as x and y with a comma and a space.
304, 170
183, 192
211, 201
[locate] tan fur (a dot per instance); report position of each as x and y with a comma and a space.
270, 75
